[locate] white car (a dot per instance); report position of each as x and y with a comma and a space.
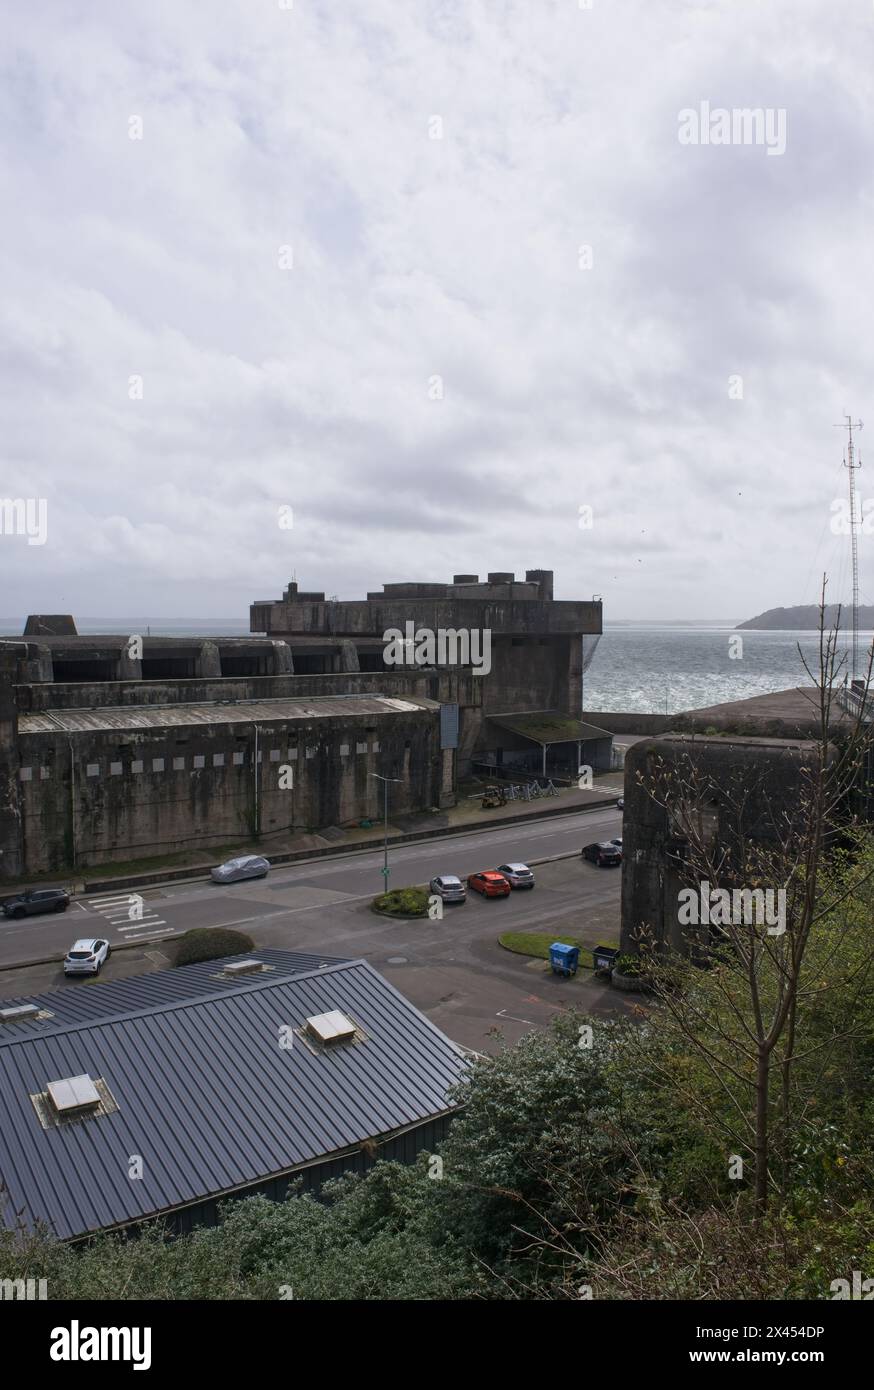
86, 957
517, 875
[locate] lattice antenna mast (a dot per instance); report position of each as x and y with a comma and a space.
852, 464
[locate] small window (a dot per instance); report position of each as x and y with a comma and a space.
136, 765
157, 764
199, 760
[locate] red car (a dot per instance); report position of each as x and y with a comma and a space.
490, 883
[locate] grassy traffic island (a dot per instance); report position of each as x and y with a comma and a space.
402, 902
537, 944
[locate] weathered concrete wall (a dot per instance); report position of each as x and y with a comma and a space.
452, 687
10, 818
763, 776
366, 618
133, 794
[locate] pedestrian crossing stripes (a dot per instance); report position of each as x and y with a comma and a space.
130, 915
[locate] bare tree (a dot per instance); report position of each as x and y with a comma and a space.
782, 886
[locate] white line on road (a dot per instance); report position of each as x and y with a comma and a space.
502, 1013
143, 935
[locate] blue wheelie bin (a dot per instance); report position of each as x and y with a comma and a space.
564, 959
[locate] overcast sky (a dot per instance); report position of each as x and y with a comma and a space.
347, 262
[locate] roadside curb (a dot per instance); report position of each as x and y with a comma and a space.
121, 946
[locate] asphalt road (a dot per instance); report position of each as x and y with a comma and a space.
453, 969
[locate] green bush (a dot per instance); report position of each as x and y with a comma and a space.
211, 943
402, 902
628, 965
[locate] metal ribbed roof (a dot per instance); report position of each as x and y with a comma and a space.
234, 712
208, 1098
87, 999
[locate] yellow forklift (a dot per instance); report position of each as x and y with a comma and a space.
493, 797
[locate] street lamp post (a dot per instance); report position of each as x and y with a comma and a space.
385, 781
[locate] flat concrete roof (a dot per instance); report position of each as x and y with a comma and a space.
232, 712
548, 727
801, 703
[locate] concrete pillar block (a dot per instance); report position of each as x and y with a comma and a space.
283, 661
209, 662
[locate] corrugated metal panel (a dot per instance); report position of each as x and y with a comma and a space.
83, 1001
449, 726
208, 1098
238, 712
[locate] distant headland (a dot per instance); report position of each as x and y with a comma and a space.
805, 616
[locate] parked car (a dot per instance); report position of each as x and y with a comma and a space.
604, 854
247, 866
617, 841
517, 875
86, 957
449, 888
490, 883
620, 804
40, 900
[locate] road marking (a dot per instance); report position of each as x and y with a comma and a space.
116, 913
502, 1013
142, 935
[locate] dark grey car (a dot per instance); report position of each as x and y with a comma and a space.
39, 900
605, 854
247, 866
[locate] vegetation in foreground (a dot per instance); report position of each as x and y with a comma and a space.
598, 1156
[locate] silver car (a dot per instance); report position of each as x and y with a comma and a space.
517, 875
449, 888
85, 957
247, 866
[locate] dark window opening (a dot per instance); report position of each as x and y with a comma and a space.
159, 668
310, 665
258, 664
84, 669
